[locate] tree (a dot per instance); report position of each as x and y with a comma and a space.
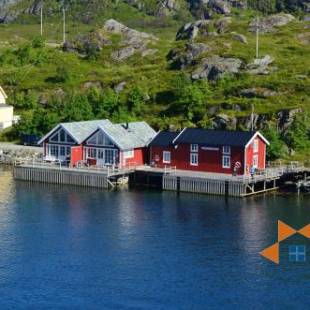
77, 108
297, 136
190, 99
276, 148
104, 103
136, 101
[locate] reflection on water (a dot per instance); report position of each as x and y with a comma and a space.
72, 247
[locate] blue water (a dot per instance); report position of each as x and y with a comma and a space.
73, 248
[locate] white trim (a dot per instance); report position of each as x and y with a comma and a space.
3, 93
229, 150
255, 159
129, 154
196, 149
226, 156
54, 130
244, 164
190, 159
178, 135
254, 136
116, 144
166, 161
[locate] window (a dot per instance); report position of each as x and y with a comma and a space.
110, 156
62, 151
255, 146
194, 159
194, 147
54, 150
61, 136
99, 139
226, 149
129, 154
255, 161
226, 161
166, 157
297, 253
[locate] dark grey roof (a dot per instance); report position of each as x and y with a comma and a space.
215, 137
130, 135
164, 138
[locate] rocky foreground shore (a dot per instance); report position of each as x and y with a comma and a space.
9, 153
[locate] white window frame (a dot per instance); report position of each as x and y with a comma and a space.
226, 150
106, 140
255, 161
129, 154
165, 159
194, 148
255, 146
57, 133
225, 165
194, 162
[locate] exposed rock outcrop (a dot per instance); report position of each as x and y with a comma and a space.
220, 6
191, 30
215, 67
260, 66
258, 92
132, 41
183, 59
270, 23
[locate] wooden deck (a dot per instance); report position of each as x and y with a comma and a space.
170, 178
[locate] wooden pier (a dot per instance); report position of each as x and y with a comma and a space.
165, 179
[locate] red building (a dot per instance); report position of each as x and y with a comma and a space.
119, 144
64, 142
215, 151
98, 143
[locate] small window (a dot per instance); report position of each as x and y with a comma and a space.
226, 149
166, 157
255, 146
194, 147
194, 159
297, 253
62, 151
226, 161
255, 161
129, 154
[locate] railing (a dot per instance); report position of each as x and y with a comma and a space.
170, 169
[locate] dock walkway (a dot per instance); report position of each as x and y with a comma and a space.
169, 178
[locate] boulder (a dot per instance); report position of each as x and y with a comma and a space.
220, 6
123, 53
82, 44
120, 87
257, 92
132, 40
260, 66
215, 67
270, 23
191, 30
183, 59
241, 38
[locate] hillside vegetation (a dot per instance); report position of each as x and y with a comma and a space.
204, 74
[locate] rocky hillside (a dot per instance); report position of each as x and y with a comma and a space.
175, 65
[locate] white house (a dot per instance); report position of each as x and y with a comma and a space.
6, 111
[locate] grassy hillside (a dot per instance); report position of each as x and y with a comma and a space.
47, 85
